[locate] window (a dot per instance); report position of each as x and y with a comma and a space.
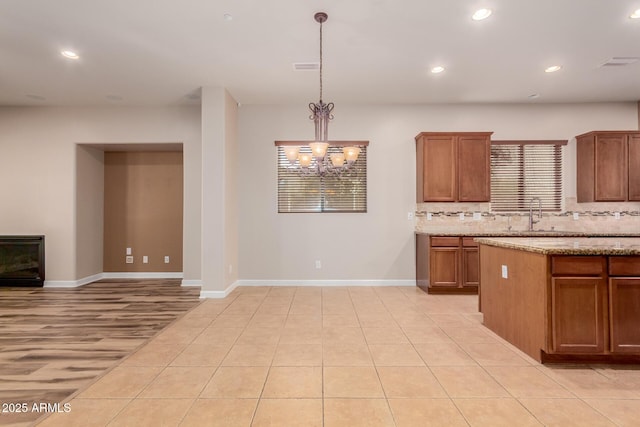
300, 192
522, 170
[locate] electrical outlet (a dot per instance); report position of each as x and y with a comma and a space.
128, 251
429, 216
318, 264
145, 259
505, 272
477, 216
128, 259
576, 216
166, 259
410, 216
461, 216
616, 215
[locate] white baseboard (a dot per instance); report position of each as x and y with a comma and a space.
72, 283
100, 276
343, 283
226, 292
191, 283
219, 294
142, 275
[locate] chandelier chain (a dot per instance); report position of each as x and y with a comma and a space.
320, 61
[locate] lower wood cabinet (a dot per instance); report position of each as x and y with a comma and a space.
595, 301
470, 264
563, 308
578, 314
624, 294
447, 264
624, 303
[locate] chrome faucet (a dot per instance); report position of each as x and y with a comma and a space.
531, 220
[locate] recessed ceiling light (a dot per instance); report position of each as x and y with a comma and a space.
228, 17
481, 14
635, 14
437, 70
534, 96
69, 54
552, 69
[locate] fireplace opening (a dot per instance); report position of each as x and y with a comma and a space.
21, 260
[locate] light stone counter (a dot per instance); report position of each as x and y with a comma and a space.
568, 245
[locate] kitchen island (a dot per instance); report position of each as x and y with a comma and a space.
563, 299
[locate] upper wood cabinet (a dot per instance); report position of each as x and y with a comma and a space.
453, 166
608, 164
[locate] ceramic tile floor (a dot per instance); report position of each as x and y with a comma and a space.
346, 357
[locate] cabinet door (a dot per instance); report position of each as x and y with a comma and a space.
470, 267
474, 166
624, 306
439, 169
422, 261
611, 168
578, 314
634, 167
444, 267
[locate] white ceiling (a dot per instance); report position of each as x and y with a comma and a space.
160, 52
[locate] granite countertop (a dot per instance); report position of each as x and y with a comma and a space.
568, 245
525, 233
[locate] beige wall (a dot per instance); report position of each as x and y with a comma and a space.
89, 207
40, 169
231, 190
219, 192
143, 204
377, 245
38, 175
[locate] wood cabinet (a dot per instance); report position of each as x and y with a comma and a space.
608, 164
470, 263
563, 308
633, 143
447, 264
578, 304
453, 167
624, 304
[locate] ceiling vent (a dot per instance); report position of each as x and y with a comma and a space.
306, 66
617, 61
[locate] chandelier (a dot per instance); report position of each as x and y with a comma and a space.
317, 160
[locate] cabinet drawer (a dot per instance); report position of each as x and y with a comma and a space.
468, 242
441, 241
578, 265
624, 265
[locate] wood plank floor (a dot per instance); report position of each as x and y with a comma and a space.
54, 342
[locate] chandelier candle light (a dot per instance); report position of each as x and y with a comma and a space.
321, 113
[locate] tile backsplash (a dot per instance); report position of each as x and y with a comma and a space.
591, 217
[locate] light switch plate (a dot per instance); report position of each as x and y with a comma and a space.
576, 216
429, 216
461, 216
128, 251
477, 216
616, 215
505, 272
128, 259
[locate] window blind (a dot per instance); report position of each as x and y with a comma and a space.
298, 192
520, 172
